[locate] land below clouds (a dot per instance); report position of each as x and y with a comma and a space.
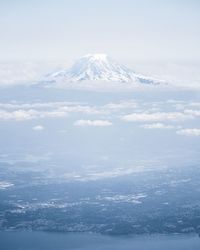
107, 162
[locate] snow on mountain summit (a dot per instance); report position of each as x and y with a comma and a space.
98, 67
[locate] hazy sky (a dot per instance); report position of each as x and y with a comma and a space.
125, 29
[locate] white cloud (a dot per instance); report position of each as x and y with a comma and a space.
23, 115
193, 112
189, 132
47, 109
156, 117
24, 73
88, 110
95, 123
157, 126
143, 112
18, 115
36, 105
122, 105
38, 128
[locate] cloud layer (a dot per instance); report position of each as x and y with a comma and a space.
172, 114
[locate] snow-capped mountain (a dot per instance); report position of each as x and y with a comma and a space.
98, 67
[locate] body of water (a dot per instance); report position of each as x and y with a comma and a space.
84, 241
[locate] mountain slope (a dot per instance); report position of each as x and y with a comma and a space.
98, 67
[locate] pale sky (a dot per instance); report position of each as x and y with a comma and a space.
124, 29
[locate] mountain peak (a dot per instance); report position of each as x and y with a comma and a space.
98, 67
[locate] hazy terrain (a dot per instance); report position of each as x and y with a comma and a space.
112, 162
